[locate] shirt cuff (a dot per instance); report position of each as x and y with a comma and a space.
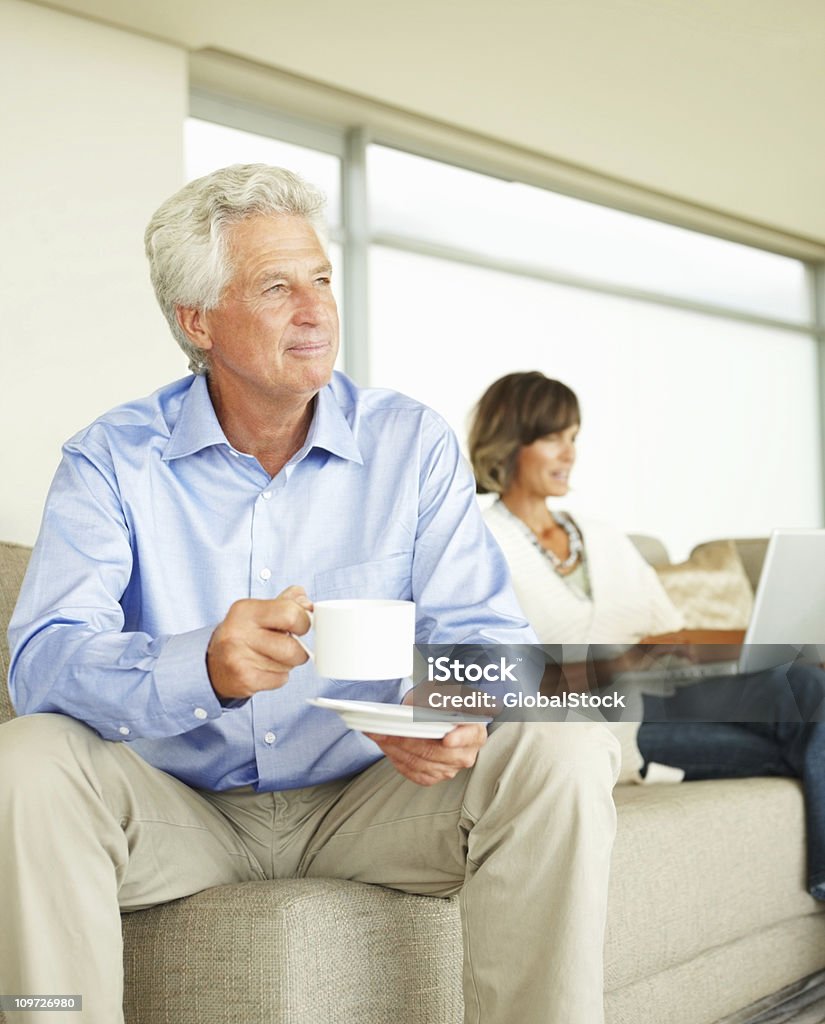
182, 681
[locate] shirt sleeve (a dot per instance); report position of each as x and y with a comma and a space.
69, 651
461, 582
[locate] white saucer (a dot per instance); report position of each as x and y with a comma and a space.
394, 719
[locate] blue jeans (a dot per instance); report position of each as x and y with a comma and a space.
696, 730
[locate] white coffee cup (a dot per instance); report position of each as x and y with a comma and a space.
362, 638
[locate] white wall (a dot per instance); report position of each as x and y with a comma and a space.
92, 143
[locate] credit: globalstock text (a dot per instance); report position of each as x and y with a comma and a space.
479, 700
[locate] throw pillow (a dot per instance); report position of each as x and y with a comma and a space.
711, 589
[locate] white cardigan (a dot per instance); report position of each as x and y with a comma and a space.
628, 602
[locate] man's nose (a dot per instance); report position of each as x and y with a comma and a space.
308, 306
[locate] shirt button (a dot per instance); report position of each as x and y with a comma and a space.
265, 574
269, 738
124, 730
200, 713
266, 495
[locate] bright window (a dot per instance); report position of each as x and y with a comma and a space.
208, 146
515, 223
694, 427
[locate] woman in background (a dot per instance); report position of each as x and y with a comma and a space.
523, 447
581, 581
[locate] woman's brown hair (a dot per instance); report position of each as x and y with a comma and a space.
514, 411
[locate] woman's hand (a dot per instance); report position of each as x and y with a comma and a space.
697, 644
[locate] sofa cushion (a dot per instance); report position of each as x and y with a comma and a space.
296, 951
13, 561
711, 589
721, 859
751, 551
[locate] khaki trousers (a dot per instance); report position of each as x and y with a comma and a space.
89, 829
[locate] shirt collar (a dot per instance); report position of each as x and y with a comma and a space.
197, 426
330, 430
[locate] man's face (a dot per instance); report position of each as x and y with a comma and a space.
274, 334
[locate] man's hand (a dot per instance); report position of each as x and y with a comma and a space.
426, 762
252, 649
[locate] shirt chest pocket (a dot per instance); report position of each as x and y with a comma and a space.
387, 578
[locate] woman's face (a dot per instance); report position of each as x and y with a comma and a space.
543, 467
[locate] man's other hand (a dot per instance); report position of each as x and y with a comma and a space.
426, 762
252, 648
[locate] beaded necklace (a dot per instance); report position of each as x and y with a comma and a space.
573, 536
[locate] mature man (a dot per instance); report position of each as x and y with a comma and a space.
166, 744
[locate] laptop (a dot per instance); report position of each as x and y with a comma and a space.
788, 619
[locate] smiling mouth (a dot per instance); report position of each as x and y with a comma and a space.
309, 348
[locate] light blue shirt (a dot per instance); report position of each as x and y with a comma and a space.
155, 524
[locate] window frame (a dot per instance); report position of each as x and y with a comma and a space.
354, 124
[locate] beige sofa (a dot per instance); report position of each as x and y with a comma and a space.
708, 913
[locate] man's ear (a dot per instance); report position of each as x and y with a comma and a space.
193, 324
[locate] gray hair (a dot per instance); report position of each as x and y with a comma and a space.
185, 240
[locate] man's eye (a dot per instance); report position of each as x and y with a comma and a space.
279, 287
323, 280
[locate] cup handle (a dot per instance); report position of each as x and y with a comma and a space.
301, 643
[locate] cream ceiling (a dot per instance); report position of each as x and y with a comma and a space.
719, 102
